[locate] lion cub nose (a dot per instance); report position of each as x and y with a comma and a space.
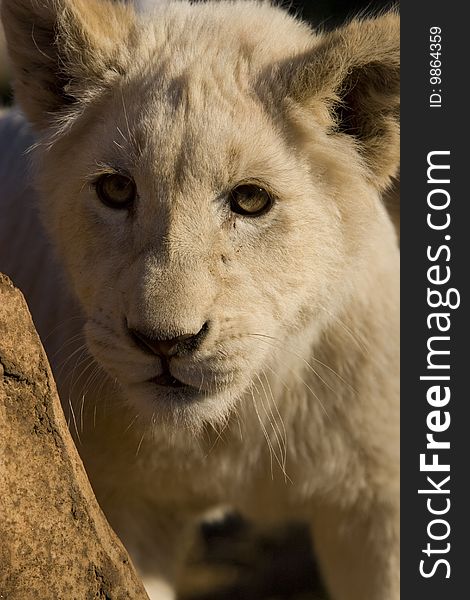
167, 348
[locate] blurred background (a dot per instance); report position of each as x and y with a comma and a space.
5, 95
231, 558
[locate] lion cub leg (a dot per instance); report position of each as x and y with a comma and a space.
358, 551
158, 542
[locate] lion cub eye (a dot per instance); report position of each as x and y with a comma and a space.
250, 200
116, 191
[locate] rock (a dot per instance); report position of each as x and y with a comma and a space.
55, 542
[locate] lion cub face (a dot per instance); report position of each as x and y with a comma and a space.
203, 194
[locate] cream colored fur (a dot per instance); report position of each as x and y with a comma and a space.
298, 414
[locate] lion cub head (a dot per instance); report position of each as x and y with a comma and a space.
211, 178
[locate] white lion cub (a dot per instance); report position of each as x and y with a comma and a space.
211, 179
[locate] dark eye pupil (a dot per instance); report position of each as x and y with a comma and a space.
116, 191
250, 200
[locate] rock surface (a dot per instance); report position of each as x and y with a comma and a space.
55, 542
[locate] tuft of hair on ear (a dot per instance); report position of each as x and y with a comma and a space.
352, 75
64, 52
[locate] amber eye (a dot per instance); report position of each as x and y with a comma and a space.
116, 191
250, 200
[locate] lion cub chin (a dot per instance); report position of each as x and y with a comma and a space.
212, 181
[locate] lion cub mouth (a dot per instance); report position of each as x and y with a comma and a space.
166, 379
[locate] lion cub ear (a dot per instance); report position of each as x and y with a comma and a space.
63, 52
353, 73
